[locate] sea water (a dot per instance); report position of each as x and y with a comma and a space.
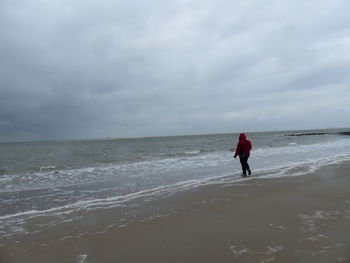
62, 180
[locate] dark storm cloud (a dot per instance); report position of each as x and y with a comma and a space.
82, 69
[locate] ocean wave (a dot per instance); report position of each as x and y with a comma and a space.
185, 153
157, 169
49, 168
111, 171
106, 161
30, 169
324, 148
290, 169
64, 212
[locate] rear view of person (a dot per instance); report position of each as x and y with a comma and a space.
243, 151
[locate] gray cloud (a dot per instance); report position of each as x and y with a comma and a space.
87, 69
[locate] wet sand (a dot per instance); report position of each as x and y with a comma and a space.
295, 219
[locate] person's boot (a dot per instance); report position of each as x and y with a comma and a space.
249, 172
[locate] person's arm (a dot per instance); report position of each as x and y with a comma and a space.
238, 149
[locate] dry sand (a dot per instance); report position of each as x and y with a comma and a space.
295, 219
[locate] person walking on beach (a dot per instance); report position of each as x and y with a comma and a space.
243, 151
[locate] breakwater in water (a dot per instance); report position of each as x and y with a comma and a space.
318, 133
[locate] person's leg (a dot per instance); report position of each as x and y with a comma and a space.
247, 167
243, 160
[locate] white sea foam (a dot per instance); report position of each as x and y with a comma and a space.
82, 258
238, 250
273, 249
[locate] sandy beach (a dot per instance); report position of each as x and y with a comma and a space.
292, 219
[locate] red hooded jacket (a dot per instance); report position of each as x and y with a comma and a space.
243, 145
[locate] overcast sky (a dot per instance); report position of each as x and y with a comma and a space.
110, 68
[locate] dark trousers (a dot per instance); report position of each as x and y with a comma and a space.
244, 162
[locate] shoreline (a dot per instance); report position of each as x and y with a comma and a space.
288, 219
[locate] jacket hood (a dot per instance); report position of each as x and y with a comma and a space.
242, 137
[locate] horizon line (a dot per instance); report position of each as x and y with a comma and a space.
160, 136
